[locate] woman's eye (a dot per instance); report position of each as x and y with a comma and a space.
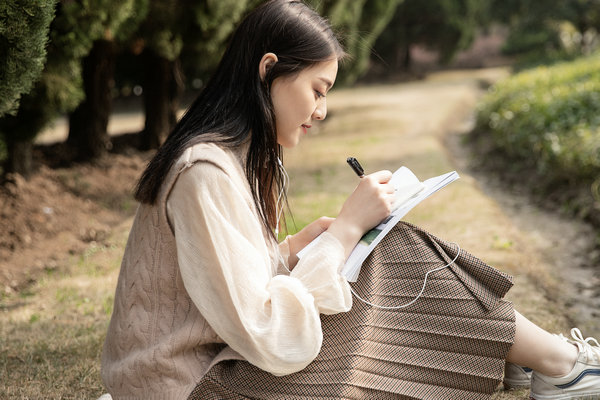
319, 94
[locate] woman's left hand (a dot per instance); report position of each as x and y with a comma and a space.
301, 239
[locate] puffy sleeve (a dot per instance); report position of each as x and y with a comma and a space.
272, 321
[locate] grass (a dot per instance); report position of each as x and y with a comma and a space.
51, 334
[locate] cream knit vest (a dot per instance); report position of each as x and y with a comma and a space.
158, 345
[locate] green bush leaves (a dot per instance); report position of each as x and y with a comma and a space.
547, 120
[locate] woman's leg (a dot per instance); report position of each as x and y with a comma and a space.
537, 349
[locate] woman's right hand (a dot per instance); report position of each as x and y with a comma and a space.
367, 206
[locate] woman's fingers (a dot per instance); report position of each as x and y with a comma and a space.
384, 191
372, 200
382, 176
369, 204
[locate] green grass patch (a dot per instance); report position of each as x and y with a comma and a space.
49, 359
52, 332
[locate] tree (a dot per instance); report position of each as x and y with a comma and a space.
161, 32
445, 26
584, 14
108, 21
206, 38
73, 32
201, 27
58, 90
360, 22
531, 24
546, 30
24, 27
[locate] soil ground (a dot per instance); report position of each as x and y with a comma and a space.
64, 229
57, 213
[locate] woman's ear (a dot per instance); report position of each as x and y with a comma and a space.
266, 63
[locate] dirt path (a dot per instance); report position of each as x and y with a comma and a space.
564, 245
77, 222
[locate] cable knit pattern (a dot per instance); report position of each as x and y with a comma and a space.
153, 320
159, 344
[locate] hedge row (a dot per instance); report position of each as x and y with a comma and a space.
546, 121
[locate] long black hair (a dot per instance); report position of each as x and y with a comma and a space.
235, 106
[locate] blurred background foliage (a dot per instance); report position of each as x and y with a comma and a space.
445, 26
75, 57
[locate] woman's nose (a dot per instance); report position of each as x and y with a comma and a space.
321, 111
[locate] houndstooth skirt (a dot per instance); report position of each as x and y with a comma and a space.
449, 344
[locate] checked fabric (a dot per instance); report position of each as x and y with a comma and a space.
450, 344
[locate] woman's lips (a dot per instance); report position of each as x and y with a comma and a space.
305, 128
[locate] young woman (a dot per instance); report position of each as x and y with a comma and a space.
209, 305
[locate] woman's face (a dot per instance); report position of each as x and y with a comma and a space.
300, 99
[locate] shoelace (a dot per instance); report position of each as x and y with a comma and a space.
589, 345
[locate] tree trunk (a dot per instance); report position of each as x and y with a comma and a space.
20, 157
403, 55
162, 90
88, 123
406, 61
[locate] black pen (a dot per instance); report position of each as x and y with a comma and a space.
356, 167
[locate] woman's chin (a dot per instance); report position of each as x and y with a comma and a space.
289, 141
288, 144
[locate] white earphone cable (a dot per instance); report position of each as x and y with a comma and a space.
420, 293
279, 210
278, 206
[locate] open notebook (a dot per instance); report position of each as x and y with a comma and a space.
410, 191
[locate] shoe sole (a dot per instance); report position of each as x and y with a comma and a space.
515, 384
581, 396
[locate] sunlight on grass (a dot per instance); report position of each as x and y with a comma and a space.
305, 210
53, 332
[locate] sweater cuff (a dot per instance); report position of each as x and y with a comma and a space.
319, 270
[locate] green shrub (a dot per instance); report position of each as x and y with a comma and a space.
546, 121
24, 27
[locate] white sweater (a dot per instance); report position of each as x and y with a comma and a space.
205, 233
271, 320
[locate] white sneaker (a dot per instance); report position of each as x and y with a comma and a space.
582, 383
516, 377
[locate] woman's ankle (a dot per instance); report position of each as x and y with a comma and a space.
562, 363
